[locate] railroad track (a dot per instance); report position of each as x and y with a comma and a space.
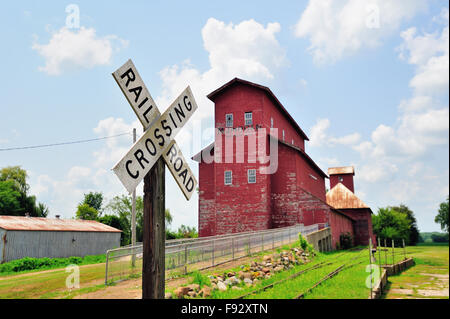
312, 268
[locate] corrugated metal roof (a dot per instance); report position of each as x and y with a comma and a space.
53, 224
340, 197
341, 170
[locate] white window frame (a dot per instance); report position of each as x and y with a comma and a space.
271, 122
225, 178
283, 135
248, 121
251, 173
226, 120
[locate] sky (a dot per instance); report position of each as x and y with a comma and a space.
366, 81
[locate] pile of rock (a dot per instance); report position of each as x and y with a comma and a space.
192, 291
249, 275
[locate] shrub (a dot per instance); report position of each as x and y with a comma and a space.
304, 244
29, 263
346, 240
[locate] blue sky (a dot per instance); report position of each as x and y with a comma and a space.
366, 81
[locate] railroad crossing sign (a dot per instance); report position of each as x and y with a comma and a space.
160, 131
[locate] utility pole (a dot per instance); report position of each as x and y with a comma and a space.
133, 216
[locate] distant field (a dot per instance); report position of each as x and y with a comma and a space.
429, 278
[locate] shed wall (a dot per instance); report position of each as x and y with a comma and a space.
53, 244
2, 244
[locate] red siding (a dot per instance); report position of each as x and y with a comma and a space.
295, 193
347, 181
362, 225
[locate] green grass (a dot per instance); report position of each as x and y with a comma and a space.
50, 284
293, 287
29, 264
429, 260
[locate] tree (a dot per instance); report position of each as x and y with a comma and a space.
413, 237
94, 200
41, 210
442, 217
16, 174
121, 206
15, 199
390, 224
86, 212
10, 198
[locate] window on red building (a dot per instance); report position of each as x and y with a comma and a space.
251, 175
248, 118
229, 120
228, 178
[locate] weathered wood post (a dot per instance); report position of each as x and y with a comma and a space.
370, 263
404, 250
133, 217
393, 254
153, 266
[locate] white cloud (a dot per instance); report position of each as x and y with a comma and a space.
80, 48
338, 28
115, 148
247, 50
319, 136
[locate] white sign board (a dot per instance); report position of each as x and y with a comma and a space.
138, 161
142, 103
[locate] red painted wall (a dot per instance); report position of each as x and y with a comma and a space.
287, 197
347, 181
339, 225
362, 225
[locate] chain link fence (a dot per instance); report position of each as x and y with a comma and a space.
186, 255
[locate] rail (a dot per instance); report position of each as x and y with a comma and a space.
186, 255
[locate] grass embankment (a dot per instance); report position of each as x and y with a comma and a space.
429, 277
28, 264
291, 288
46, 277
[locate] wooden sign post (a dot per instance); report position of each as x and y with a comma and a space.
145, 160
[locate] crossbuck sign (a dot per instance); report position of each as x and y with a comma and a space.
160, 131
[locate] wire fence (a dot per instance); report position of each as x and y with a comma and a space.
186, 255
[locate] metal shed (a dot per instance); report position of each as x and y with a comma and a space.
53, 237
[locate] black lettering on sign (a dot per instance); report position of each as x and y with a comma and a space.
189, 103
130, 76
183, 174
190, 184
145, 113
170, 114
180, 161
173, 152
153, 150
143, 102
179, 112
128, 170
139, 155
159, 137
167, 128
137, 91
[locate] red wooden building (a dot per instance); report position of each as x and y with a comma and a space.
235, 195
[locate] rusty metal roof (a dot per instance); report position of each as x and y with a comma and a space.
340, 197
53, 224
341, 170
